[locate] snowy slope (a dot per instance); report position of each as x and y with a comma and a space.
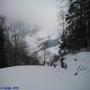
36, 42
49, 78
51, 48
78, 63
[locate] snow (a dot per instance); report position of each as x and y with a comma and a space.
79, 62
53, 50
48, 77
35, 41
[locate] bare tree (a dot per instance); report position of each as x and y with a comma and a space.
16, 36
3, 61
45, 45
62, 22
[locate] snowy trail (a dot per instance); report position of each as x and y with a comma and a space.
41, 78
31, 78
48, 77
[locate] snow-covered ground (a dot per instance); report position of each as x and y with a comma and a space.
48, 77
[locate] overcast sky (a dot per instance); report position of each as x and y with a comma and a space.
42, 13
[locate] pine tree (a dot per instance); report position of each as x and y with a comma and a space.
78, 20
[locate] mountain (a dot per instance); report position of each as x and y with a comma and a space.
36, 43
52, 43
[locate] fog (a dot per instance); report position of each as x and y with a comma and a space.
42, 13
